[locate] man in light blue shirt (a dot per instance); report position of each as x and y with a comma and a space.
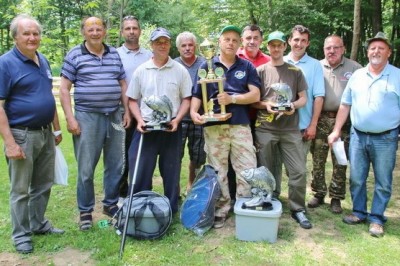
132, 56
299, 40
372, 98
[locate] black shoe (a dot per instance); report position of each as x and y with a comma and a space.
24, 247
315, 202
51, 231
110, 210
301, 218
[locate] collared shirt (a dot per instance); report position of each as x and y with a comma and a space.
26, 89
374, 100
259, 60
171, 80
96, 80
312, 71
237, 80
335, 81
132, 59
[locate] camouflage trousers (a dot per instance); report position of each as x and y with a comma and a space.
236, 141
319, 150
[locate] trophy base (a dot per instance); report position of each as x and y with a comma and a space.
282, 108
157, 127
216, 117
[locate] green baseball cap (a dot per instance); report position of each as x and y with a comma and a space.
231, 28
276, 35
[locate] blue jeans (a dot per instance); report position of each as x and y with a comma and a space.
99, 132
381, 152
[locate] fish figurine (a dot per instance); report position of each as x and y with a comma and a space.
283, 94
262, 184
162, 109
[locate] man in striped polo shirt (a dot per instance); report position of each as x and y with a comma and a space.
98, 76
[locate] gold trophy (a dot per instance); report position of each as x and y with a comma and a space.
207, 49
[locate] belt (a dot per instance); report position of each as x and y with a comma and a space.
373, 133
31, 128
329, 114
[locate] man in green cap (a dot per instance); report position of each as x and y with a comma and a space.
232, 137
283, 92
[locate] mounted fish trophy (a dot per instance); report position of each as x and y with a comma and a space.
283, 97
207, 49
262, 184
162, 112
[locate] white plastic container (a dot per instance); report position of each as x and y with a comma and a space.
254, 225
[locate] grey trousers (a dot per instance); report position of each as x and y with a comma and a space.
290, 148
31, 180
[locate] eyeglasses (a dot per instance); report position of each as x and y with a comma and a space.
159, 42
335, 48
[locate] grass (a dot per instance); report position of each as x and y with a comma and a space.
330, 242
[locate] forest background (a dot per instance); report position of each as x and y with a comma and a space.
353, 20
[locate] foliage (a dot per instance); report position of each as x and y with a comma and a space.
61, 19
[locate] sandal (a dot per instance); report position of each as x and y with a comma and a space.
110, 210
85, 222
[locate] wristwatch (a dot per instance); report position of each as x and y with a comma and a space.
233, 98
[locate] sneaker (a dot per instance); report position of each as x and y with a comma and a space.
336, 206
110, 210
219, 222
352, 219
376, 230
315, 202
301, 218
85, 221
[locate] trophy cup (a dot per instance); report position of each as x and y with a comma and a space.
283, 97
207, 49
162, 112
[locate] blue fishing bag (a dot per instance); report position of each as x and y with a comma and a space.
198, 209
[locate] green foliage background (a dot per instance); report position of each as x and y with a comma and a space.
61, 20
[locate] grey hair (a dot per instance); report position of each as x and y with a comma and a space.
17, 19
186, 35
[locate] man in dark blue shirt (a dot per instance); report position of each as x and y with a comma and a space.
27, 108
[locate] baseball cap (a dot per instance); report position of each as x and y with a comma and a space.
159, 32
231, 28
380, 36
276, 35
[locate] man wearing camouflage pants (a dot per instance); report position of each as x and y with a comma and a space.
337, 71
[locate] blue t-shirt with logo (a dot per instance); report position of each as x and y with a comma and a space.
236, 80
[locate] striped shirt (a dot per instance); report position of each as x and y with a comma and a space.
96, 80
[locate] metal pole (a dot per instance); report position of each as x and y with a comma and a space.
123, 240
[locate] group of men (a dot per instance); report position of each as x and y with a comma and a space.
110, 86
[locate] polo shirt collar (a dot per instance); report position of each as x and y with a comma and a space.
168, 64
303, 59
84, 50
326, 64
127, 51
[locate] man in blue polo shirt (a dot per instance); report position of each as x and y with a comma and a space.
372, 98
98, 76
233, 137
27, 108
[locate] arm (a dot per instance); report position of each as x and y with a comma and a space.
341, 118
311, 130
12, 149
124, 99
183, 109
135, 110
194, 111
56, 128
300, 102
246, 98
65, 98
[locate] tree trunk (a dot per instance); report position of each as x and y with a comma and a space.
356, 29
377, 16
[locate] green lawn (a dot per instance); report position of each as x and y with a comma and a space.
330, 242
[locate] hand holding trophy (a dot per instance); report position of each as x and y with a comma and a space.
207, 49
